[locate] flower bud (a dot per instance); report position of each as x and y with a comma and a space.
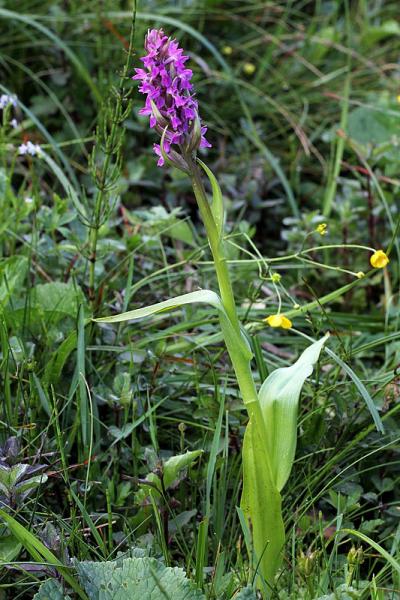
249, 68
194, 136
306, 563
355, 556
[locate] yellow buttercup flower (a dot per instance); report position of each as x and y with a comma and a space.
398, 98
279, 321
322, 228
379, 259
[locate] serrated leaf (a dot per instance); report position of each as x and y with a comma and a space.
246, 593
51, 590
343, 592
138, 578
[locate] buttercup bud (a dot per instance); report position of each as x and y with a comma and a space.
249, 68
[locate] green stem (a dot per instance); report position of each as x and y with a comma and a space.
112, 149
217, 250
240, 364
94, 231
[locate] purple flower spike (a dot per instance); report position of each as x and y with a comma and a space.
170, 102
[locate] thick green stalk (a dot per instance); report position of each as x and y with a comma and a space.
259, 489
216, 245
240, 363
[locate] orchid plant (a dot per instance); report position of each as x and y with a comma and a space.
270, 437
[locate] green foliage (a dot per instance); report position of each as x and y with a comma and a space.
279, 399
246, 594
343, 592
267, 535
135, 578
51, 590
10, 547
104, 408
268, 461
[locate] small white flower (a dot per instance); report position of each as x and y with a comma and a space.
5, 100
28, 200
14, 123
29, 148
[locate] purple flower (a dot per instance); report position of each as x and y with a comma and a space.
170, 103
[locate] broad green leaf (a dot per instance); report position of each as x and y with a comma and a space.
33, 482
368, 126
58, 359
138, 578
181, 231
261, 505
57, 300
200, 296
13, 271
10, 547
171, 469
173, 465
279, 399
217, 205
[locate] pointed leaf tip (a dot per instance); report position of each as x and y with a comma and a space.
279, 398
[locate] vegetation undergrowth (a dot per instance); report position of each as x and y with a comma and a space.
121, 442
